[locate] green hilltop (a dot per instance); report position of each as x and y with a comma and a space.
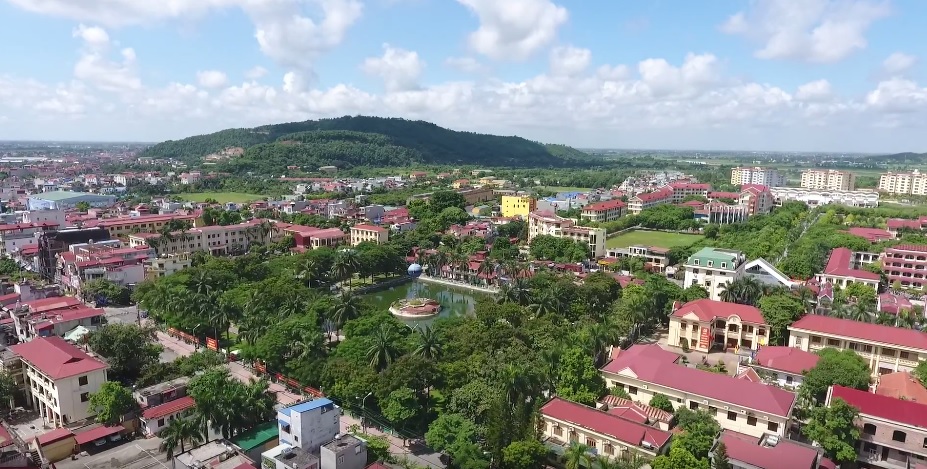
348, 142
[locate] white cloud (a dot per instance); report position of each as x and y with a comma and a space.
211, 78
818, 90
93, 36
569, 61
822, 31
898, 62
465, 64
256, 73
514, 29
898, 95
399, 69
96, 68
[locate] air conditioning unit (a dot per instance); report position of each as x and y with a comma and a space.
644, 386
705, 401
727, 408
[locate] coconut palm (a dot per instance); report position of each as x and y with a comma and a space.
745, 290
428, 343
905, 319
859, 312
180, 432
885, 319
307, 346
345, 308
577, 455
307, 271
383, 350
544, 304
345, 265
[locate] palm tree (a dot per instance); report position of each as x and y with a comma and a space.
429, 343
382, 350
306, 346
202, 283
885, 319
307, 270
577, 455
745, 290
859, 312
180, 432
486, 269
346, 308
599, 336
906, 319
544, 304
345, 265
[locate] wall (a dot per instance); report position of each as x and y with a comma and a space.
69, 392
582, 435
58, 450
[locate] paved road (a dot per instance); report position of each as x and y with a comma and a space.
285, 398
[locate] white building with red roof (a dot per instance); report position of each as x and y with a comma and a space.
564, 422
637, 412
543, 222
887, 349
608, 210
784, 366
842, 271
906, 264
893, 432
641, 202
59, 378
701, 324
737, 404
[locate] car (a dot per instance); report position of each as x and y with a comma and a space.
115, 438
100, 442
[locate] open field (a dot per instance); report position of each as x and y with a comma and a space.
660, 239
222, 197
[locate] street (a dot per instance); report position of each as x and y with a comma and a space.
286, 398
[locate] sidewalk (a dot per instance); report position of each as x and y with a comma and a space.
286, 397
457, 284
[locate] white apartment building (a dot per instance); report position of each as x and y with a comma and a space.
713, 269
548, 223
816, 197
167, 265
310, 424
216, 239
16, 236
737, 404
757, 175
59, 379
914, 183
828, 179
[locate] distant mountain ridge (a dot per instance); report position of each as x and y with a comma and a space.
348, 142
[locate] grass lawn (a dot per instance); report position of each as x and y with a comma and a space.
659, 239
222, 197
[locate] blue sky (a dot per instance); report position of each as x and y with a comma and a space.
818, 75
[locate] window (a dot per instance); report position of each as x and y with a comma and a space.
869, 429
815, 339
82, 381
632, 390
696, 263
898, 436
85, 396
788, 380
558, 430
925, 442
590, 442
904, 355
751, 421
296, 438
609, 449
731, 415
340, 459
833, 342
711, 263
773, 427
285, 428
798, 341
693, 405
160, 422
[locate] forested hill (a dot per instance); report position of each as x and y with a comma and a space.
365, 141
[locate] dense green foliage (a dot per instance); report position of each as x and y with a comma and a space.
104, 292
111, 402
364, 141
841, 367
128, 349
834, 428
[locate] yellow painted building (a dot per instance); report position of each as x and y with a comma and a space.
518, 206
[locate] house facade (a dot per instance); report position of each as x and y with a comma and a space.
369, 233
609, 210
713, 269
706, 324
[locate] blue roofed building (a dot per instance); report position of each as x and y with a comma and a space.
310, 424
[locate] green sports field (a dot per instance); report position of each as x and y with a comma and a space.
659, 239
221, 197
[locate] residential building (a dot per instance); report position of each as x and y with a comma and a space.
369, 233
656, 259
683, 189
551, 224
817, 197
14, 237
737, 404
905, 264
719, 212
637, 412
713, 269
706, 324
564, 422
893, 432
190, 178
166, 265
887, 349
344, 452
217, 239
841, 271
783, 366
120, 265
642, 202
897, 225
124, 226
757, 175
769, 452
310, 424
62, 200
55, 323
609, 210
155, 419
828, 179
758, 199
259, 439
914, 183
308, 237
47, 217
289, 457
59, 379
518, 206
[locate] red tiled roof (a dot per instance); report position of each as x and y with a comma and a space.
330, 233
656, 195
839, 264
870, 234
749, 374
893, 304
604, 423
606, 205
96, 434
655, 367
5, 438
883, 407
57, 358
785, 455
57, 434
862, 330
365, 227
708, 310
788, 359
896, 223
168, 408
51, 304
755, 187
902, 248
902, 385
691, 185
630, 410
723, 195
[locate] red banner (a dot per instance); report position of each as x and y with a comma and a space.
704, 340
212, 344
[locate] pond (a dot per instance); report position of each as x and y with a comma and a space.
454, 301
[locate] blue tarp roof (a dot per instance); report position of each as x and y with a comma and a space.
307, 406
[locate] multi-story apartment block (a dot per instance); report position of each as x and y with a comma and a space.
737, 404
166, 265
564, 423
720, 212
705, 324
817, 197
841, 271
518, 206
914, 183
887, 349
124, 226
310, 424
216, 239
609, 210
14, 237
756, 175
549, 223
905, 264
655, 259
758, 199
713, 269
828, 179
681, 190
892, 431
369, 233
120, 265
59, 379
641, 202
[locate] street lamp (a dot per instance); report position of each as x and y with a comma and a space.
363, 412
